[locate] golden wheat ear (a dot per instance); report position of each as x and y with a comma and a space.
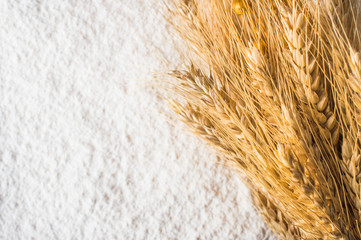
341, 32
274, 217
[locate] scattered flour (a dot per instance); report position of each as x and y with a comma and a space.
84, 150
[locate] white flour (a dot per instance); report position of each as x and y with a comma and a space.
84, 150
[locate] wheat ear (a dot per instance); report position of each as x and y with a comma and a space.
274, 217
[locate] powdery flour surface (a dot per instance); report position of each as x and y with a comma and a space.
86, 150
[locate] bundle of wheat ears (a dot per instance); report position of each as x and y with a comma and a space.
275, 88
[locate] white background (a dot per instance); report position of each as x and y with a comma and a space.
87, 150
